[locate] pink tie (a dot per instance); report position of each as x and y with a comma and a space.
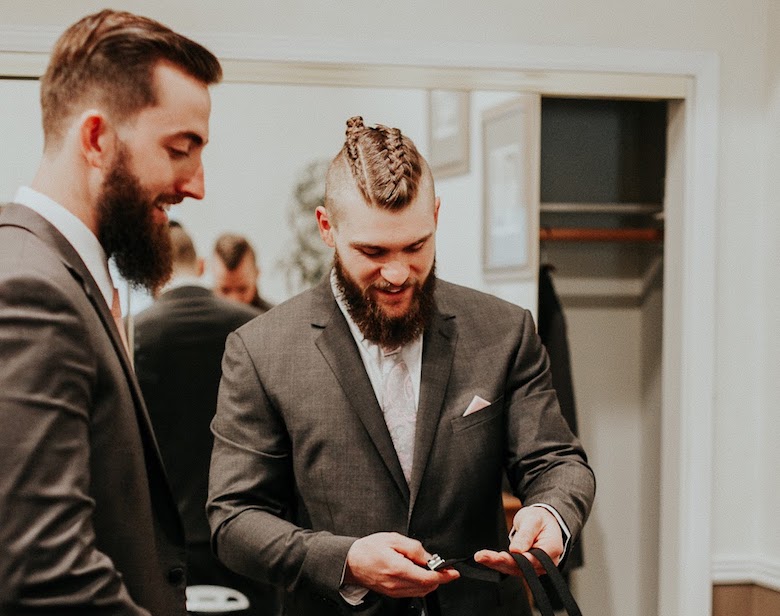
399, 408
116, 312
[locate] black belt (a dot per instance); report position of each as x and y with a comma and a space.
469, 568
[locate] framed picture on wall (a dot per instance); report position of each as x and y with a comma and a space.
510, 213
448, 132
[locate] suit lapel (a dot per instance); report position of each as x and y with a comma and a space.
438, 352
338, 347
25, 218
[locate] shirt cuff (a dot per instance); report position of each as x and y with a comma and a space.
351, 593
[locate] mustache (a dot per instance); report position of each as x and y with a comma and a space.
383, 285
168, 200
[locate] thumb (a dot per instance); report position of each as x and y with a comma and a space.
527, 529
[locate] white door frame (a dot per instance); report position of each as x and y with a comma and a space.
685, 577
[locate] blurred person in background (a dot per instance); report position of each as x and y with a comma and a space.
236, 273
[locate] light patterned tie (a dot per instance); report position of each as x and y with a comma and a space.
116, 312
399, 408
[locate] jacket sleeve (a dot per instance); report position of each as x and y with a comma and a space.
252, 490
545, 461
49, 561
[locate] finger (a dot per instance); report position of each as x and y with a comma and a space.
418, 585
500, 561
526, 529
552, 544
505, 562
411, 549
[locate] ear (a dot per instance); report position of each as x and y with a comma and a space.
324, 225
96, 138
436, 206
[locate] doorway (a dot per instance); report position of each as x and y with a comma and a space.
685, 584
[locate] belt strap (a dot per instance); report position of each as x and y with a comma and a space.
471, 569
555, 577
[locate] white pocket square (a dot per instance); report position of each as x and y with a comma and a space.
476, 404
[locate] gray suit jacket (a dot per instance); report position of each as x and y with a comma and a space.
88, 525
303, 462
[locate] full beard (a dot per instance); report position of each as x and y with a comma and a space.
387, 331
140, 247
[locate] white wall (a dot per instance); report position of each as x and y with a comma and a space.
747, 267
22, 138
769, 266
606, 356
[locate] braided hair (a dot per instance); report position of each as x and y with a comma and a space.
385, 164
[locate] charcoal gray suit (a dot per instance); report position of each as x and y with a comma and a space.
87, 522
303, 462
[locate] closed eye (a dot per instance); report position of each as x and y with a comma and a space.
371, 251
176, 153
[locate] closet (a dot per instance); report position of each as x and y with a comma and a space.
601, 226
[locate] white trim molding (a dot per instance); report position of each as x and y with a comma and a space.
689, 76
746, 569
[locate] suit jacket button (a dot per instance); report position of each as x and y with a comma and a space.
176, 576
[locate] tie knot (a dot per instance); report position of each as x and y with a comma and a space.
391, 352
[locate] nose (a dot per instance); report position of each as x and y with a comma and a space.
395, 272
194, 185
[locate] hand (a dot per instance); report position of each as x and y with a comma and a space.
392, 565
535, 527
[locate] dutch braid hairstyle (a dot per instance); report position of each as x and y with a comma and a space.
385, 164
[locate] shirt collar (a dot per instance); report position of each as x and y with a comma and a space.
76, 232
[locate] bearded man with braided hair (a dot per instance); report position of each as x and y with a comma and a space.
366, 424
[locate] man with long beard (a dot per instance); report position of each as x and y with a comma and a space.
366, 424
88, 524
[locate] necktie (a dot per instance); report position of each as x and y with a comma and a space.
400, 408
116, 312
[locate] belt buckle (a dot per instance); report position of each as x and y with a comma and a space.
435, 562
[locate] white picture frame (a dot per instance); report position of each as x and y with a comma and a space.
510, 213
448, 132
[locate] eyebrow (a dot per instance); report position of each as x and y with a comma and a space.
378, 247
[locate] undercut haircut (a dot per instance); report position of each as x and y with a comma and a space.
108, 59
384, 164
231, 250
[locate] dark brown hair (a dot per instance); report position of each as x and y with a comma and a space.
109, 57
231, 249
183, 247
385, 164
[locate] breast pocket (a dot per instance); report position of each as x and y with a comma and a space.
490, 413
477, 446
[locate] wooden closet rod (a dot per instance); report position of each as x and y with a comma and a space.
568, 234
